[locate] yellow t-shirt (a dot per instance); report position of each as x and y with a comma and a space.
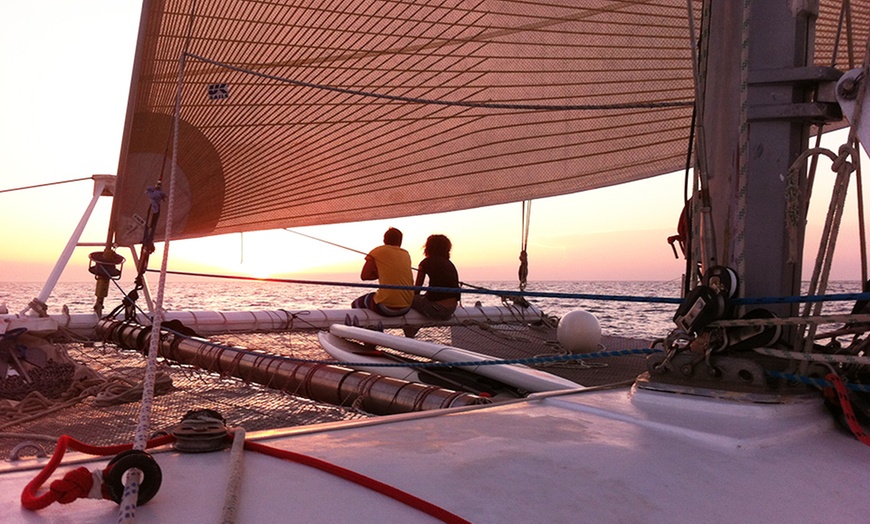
394, 269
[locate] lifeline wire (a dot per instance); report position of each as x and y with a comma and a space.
834, 297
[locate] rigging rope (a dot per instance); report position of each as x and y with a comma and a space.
846, 13
524, 235
45, 185
703, 246
478, 290
827, 243
127, 506
743, 154
325, 241
834, 297
814, 357
688, 240
862, 230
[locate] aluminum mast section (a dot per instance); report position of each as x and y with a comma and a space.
781, 102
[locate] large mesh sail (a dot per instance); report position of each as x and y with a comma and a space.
313, 112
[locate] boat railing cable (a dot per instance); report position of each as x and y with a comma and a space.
834, 297
465, 290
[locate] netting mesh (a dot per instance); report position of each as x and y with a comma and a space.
93, 417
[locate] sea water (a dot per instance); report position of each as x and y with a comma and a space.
617, 315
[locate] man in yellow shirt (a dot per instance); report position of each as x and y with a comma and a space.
390, 265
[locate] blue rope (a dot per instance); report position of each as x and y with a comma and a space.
524, 361
475, 291
811, 381
542, 294
798, 299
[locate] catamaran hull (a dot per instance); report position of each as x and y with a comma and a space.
594, 456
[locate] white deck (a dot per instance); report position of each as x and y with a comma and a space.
597, 456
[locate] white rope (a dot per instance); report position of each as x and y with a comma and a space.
792, 321
127, 506
96, 491
828, 242
234, 478
743, 155
703, 233
130, 498
814, 357
862, 228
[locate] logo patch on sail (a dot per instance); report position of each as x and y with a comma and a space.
218, 91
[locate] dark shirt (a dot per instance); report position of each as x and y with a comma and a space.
441, 273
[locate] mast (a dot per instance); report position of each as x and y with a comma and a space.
759, 94
748, 171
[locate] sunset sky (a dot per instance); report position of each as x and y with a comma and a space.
66, 73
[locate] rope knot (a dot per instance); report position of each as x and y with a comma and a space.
842, 163
74, 485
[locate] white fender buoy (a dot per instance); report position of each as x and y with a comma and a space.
579, 332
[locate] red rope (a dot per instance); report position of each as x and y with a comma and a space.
368, 482
846, 406
77, 483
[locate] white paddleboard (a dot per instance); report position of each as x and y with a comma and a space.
516, 375
350, 353
344, 350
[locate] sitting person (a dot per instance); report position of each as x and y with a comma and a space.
438, 305
391, 265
